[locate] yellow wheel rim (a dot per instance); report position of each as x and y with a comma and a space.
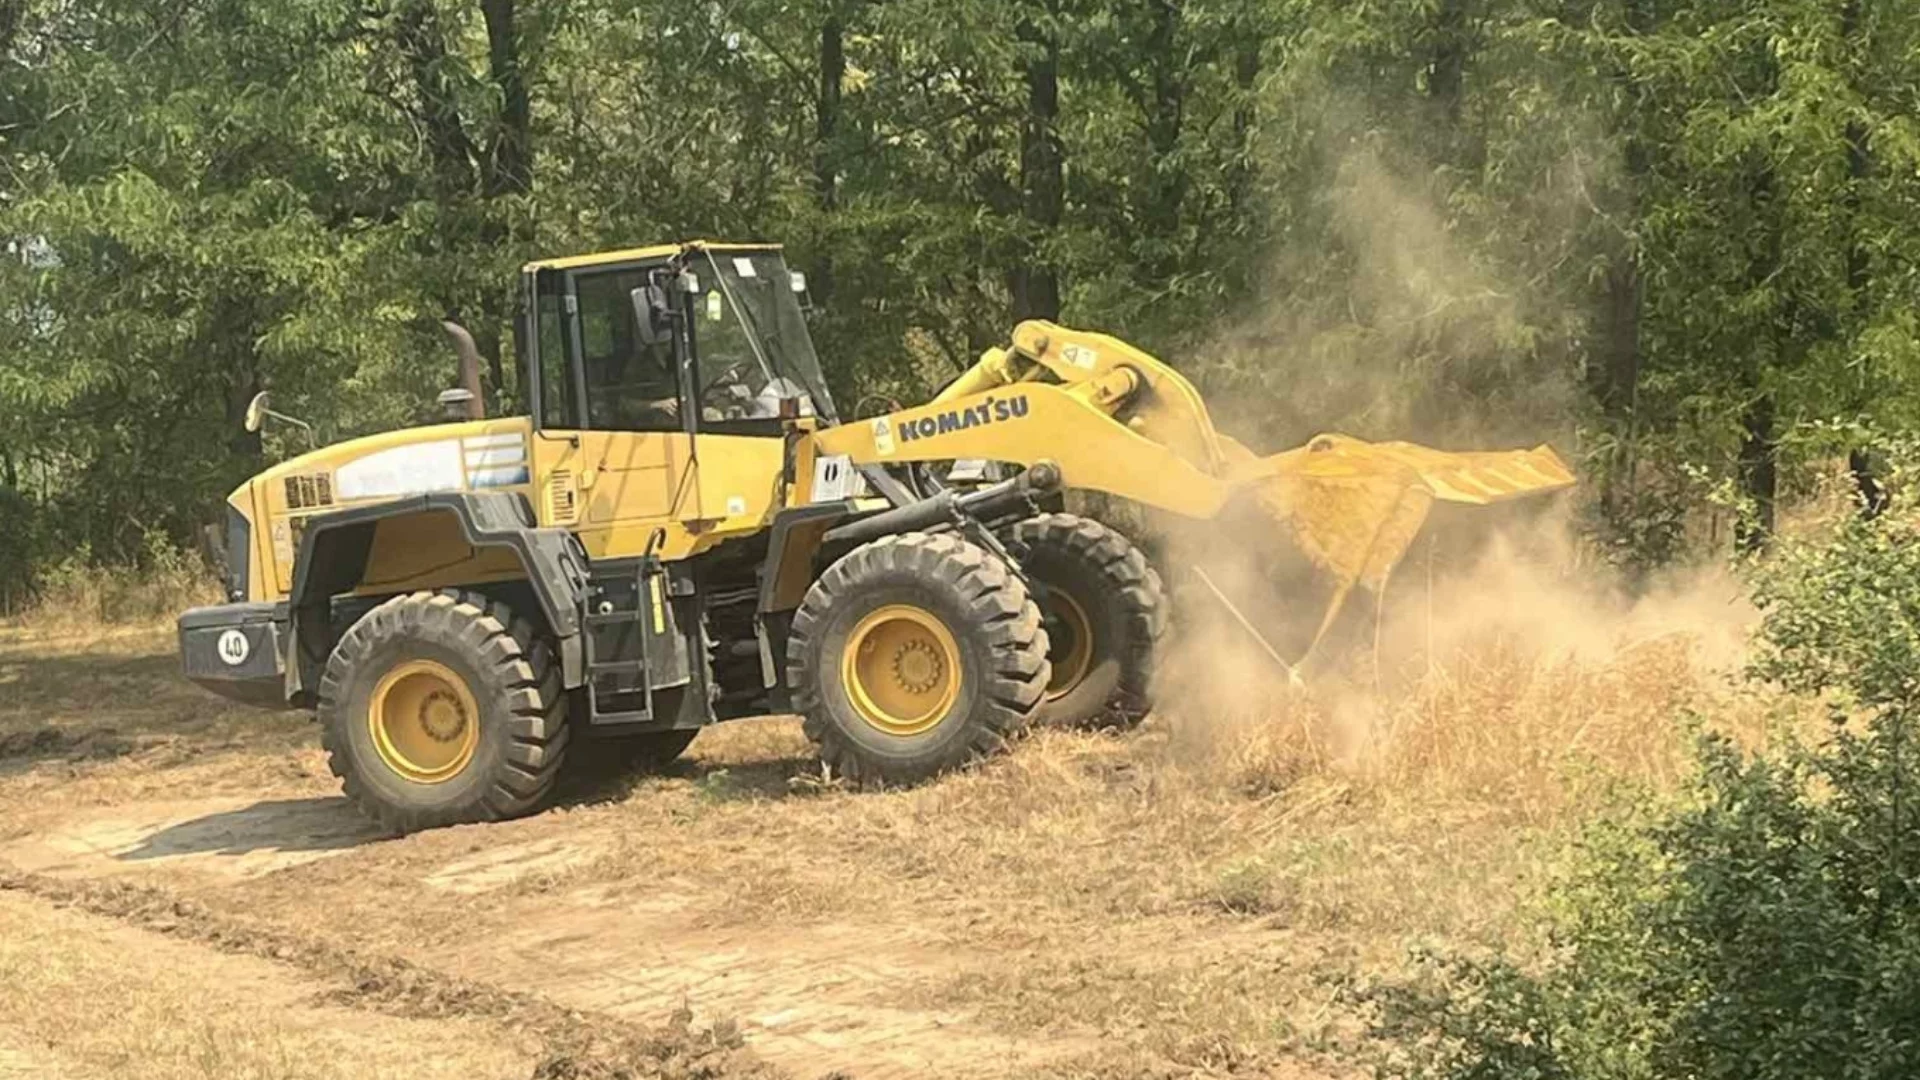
901, 669
424, 721
1069, 642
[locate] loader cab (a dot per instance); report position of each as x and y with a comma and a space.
729, 352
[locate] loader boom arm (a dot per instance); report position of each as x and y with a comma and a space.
1117, 420
1113, 418
1029, 423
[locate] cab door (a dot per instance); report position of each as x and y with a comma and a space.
611, 444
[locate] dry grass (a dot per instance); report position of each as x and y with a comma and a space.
77, 597
1184, 899
106, 703
84, 997
1191, 893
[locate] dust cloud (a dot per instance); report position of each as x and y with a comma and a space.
1504, 647
1485, 664
1406, 322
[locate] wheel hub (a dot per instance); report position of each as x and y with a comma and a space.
424, 721
917, 666
901, 669
442, 717
1069, 642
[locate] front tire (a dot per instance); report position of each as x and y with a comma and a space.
915, 654
438, 708
1105, 611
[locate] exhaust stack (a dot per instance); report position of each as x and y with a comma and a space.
469, 354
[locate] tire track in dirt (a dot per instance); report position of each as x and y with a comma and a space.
832, 992
82, 995
806, 998
576, 1044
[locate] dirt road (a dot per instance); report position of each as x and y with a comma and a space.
186, 894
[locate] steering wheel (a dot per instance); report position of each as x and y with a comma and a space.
717, 389
729, 374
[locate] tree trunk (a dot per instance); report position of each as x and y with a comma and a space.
1759, 477
1165, 112
992, 188
1035, 282
1246, 74
489, 340
1615, 379
826, 152
424, 44
244, 448
510, 172
12, 14
511, 155
1773, 343
1447, 64
1872, 497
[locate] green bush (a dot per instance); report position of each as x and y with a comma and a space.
1765, 928
80, 590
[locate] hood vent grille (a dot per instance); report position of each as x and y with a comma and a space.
563, 505
308, 491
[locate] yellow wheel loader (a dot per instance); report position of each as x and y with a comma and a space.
682, 529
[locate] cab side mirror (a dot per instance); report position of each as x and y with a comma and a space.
256, 412
259, 409
652, 314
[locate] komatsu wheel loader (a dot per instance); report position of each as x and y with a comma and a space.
682, 529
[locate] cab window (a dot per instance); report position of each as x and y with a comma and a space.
557, 405
631, 386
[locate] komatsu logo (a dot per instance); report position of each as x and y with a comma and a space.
990, 411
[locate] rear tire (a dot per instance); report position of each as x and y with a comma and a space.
438, 708
1105, 610
915, 654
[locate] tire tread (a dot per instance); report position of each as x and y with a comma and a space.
1141, 593
997, 602
523, 687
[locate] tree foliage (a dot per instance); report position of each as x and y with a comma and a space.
1681, 238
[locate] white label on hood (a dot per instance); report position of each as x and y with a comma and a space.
403, 470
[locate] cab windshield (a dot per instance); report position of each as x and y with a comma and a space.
751, 339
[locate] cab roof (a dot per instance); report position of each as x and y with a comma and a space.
642, 254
